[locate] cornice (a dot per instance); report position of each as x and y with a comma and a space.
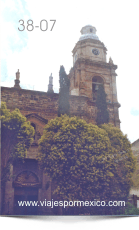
28, 91
117, 104
94, 63
93, 41
34, 115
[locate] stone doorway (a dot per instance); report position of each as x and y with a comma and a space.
25, 194
26, 187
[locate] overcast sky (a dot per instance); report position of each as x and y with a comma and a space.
38, 53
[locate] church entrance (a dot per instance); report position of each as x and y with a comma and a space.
23, 200
26, 187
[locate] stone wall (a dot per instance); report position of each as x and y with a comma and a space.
41, 107
29, 101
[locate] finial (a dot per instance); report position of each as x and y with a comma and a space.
50, 85
17, 75
17, 81
110, 60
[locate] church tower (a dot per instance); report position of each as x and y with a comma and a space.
90, 69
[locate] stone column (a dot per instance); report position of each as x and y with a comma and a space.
114, 90
114, 98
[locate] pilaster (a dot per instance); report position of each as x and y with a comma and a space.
9, 194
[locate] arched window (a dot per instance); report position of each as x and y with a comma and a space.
34, 126
96, 81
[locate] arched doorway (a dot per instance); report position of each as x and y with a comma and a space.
26, 187
96, 81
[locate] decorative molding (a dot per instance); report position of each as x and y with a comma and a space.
26, 179
34, 115
95, 63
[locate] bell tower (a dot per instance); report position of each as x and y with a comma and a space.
90, 69
89, 46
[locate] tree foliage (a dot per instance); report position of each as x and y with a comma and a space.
86, 161
102, 112
16, 137
130, 210
123, 161
64, 106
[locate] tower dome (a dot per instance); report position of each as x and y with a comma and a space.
88, 32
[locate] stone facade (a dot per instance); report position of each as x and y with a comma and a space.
82, 76
89, 70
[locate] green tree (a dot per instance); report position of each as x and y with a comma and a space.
102, 112
63, 106
131, 210
123, 161
16, 137
83, 160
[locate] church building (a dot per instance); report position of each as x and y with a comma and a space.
90, 69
